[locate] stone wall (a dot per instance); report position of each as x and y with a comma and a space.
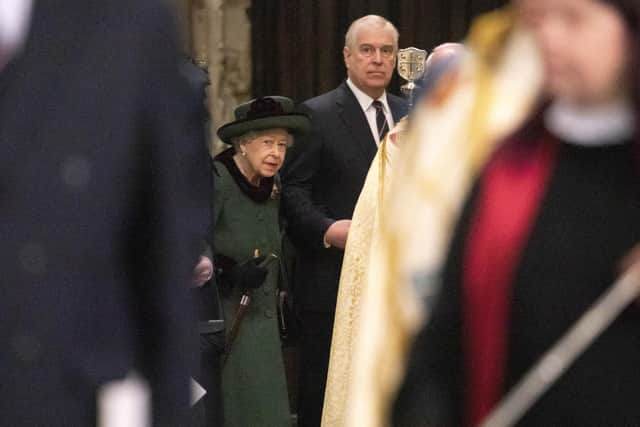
217, 34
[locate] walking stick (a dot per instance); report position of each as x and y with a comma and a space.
245, 300
560, 357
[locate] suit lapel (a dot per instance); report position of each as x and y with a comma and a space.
354, 119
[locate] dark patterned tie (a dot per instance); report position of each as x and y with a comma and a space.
381, 120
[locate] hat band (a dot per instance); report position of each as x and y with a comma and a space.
260, 114
264, 107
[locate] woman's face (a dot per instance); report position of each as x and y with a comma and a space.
266, 152
584, 45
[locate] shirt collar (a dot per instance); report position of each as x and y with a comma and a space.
608, 124
365, 100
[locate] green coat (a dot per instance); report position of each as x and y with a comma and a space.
254, 386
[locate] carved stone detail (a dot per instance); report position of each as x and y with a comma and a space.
219, 39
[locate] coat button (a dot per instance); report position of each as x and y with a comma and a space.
268, 314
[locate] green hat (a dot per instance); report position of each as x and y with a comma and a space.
263, 113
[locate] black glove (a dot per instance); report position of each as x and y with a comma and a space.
248, 275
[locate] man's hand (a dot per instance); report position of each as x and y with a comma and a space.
202, 272
337, 233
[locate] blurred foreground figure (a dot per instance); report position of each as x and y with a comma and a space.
104, 197
542, 235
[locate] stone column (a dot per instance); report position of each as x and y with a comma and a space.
229, 58
215, 61
199, 32
183, 18
217, 35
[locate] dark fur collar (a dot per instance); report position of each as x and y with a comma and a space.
265, 191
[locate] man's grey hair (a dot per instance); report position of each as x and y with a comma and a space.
369, 20
249, 137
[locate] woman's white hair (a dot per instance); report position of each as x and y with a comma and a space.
247, 138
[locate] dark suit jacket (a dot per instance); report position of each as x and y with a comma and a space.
322, 179
103, 199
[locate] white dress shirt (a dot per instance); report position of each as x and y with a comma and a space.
366, 103
14, 24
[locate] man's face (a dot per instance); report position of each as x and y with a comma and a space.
371, 59
584, 46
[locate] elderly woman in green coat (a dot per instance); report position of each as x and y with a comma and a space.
246, 247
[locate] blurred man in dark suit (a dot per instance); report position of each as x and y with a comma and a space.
104, 192
322, 180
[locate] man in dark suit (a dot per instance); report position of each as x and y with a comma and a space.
322, 180
104, 190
